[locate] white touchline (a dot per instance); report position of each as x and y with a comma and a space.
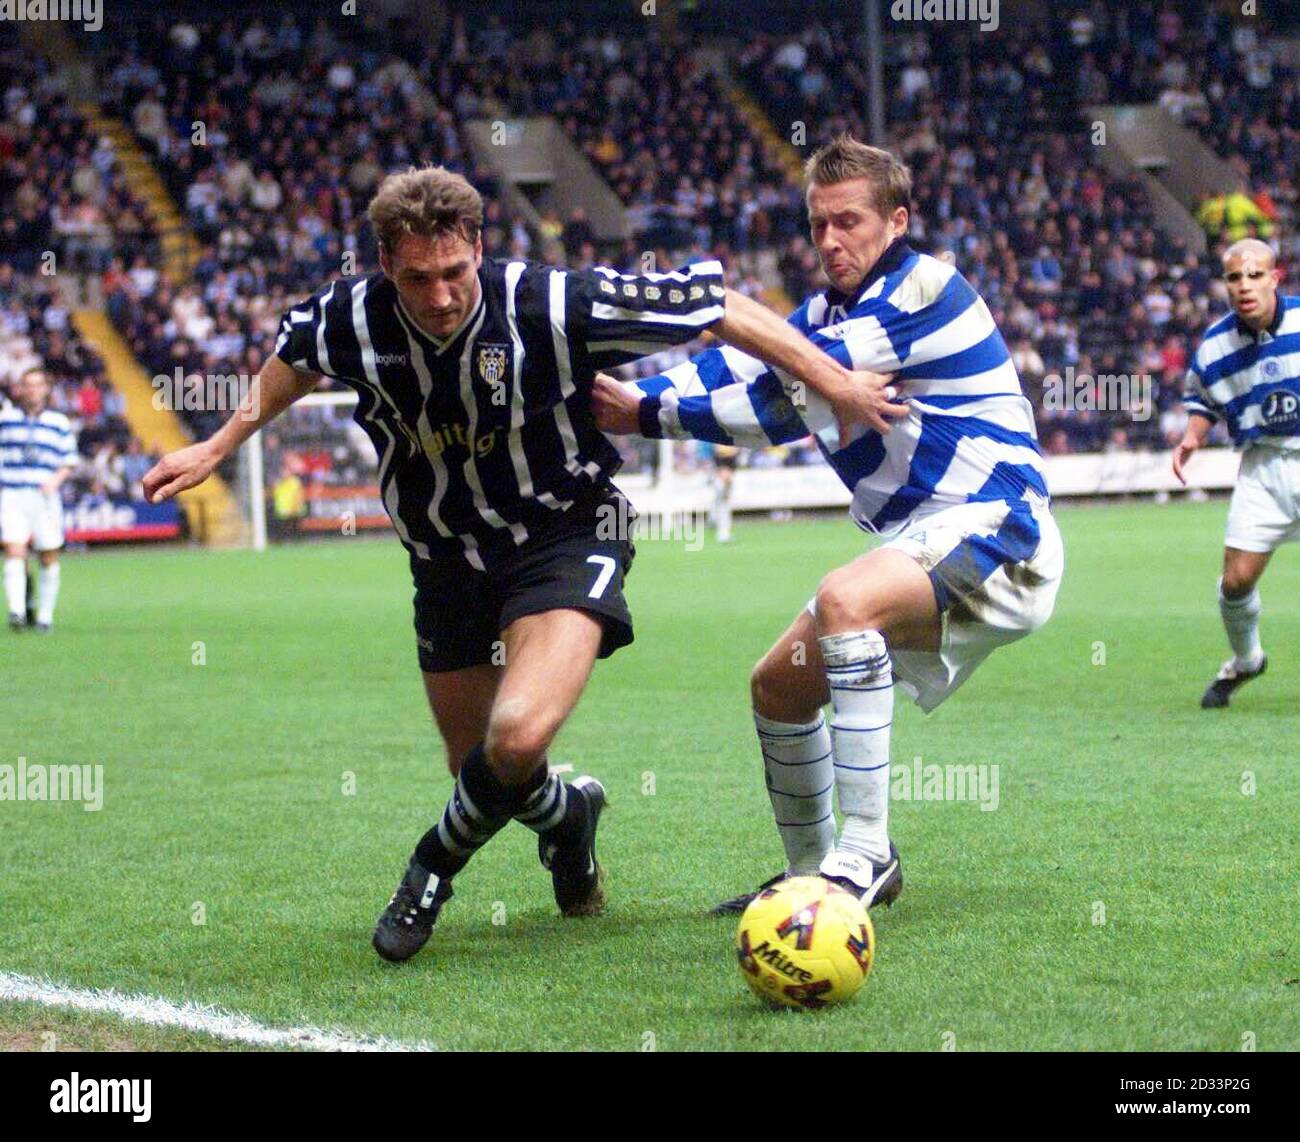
158, 1012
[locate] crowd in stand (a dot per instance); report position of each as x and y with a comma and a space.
1220, 77
272, 134
67, 210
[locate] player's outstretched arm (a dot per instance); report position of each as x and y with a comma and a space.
273, 390
756, 330
1198, 429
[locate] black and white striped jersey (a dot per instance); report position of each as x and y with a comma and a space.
484, 437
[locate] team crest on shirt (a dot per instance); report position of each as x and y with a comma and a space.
1272, 369
491, 362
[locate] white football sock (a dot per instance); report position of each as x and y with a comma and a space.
862, 694
47, 592
800, 781
1241, 621
722, 514
16, 586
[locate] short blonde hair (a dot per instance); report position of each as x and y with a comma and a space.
844, 158
428, 201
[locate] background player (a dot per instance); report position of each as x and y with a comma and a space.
726, 458
974, 559
38, 452
475, 378
1245, 370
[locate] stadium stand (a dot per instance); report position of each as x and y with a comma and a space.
271, 166
65, 196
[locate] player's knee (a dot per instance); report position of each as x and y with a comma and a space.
841, 602
772, 694
762, 691
1237, 583
517, 738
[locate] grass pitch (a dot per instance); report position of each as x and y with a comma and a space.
275, 790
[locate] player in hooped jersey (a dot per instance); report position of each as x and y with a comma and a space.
973, 558
475, 380
1247, 371
38, 452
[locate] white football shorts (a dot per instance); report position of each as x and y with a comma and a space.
28, 514
996, 568
1265, 508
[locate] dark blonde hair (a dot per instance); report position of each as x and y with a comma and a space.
428, 201
844, 158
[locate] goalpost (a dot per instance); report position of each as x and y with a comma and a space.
312, 471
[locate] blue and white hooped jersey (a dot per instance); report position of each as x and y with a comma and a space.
1250, 379
33, 448
969, 437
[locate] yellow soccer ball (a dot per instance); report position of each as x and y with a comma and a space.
805, 943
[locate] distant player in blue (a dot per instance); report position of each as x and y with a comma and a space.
38, 452
1247, 371
973, 557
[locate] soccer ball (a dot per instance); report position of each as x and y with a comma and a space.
805, 943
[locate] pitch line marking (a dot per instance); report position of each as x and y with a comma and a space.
209, 1020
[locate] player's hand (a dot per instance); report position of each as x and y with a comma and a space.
179, 470
1182, 453
49, 487
616, 409
870, 399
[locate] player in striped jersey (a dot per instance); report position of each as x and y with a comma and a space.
38, 452
475, 383
1247, 371
973, 557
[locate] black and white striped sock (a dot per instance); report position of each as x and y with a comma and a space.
547, 807
480, 807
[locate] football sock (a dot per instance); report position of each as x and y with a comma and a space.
47, 593
552, 810
722, 515
862, 696
800, 782
479, 808
16, 586
1241, 621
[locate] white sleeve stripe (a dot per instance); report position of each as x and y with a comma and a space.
322, 354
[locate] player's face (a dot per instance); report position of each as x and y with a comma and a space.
1252, 287
436, 278
33, 391
849, 233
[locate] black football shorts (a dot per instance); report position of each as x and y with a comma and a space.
581, 563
